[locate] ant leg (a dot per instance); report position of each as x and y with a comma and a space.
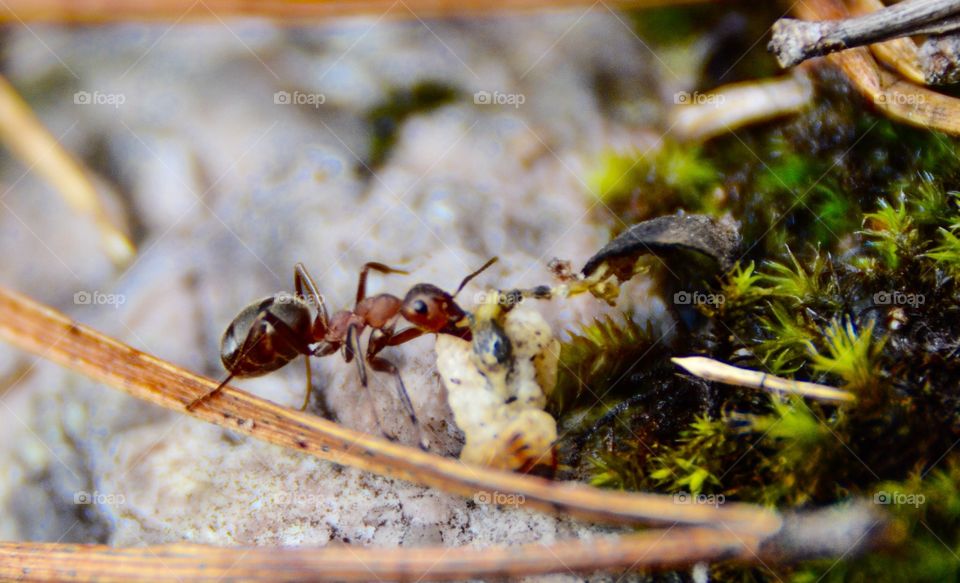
380, 341
362, 284
324, 349
381, 364
192, 404
353, 350
302, 277
401, 337
309, 391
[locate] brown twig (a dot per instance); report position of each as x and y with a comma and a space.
795, 41
891, 94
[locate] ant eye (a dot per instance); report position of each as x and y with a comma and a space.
420, 307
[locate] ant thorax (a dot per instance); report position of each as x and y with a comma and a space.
339, 323
498, 401
379, 310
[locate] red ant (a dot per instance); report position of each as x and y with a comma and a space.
268, 334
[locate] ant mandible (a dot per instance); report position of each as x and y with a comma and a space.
270, 333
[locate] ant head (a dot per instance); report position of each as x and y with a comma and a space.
431, 309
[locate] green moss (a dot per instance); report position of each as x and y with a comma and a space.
598, 358
947, 253
852, 355
891, 233
850, 277
688, 468
655, 182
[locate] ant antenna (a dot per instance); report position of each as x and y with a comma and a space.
467, 279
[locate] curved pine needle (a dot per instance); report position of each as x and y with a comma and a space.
36, 147
842, 530
733, 106
678, 547
48, 333
293, 11
899, 53
895, 97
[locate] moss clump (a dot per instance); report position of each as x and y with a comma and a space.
849, 277
653, 183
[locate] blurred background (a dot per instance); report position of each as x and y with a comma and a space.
231, 149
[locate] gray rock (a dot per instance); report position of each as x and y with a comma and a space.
226, 190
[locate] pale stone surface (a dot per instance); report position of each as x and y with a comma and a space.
226, 190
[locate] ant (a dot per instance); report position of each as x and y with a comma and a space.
270, 333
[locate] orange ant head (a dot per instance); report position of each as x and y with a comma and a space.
433, 310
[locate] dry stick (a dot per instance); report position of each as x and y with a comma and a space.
898, 53
292, 11
795, 41
714, 370
39, 150
892, 95
937, 62
836, 531
44, 331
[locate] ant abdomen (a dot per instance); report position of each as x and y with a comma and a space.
266, 335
